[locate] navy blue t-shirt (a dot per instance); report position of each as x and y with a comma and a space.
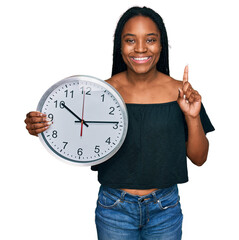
153, 154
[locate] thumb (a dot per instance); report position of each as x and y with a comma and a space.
180, 93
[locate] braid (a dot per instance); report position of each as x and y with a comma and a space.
118, 63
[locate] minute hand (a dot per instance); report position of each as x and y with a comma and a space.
98, 121
64, 105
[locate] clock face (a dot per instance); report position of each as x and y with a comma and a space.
89, 120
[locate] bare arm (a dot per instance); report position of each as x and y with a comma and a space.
189, 101
197, 145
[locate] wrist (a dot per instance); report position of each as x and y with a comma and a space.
189, 118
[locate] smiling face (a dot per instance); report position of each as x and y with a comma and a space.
140, 44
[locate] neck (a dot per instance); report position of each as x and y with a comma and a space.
141, 78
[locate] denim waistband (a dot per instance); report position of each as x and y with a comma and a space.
153, 196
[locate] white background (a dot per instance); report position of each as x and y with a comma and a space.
45, 41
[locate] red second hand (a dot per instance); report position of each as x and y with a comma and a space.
82, 113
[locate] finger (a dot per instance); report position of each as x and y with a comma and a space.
186, 87
185, 75
32, 115
194, 97
38, 125
180, 93
35, 132
35, 114
37, 120
198, 97
188, 92
191, 98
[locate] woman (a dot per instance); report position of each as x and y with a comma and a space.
138, 197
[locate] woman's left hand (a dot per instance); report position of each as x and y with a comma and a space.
191, 103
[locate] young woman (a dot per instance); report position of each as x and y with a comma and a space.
138, 197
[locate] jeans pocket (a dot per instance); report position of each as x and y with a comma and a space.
107, 200
169, 200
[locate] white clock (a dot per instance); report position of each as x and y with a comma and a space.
89, 118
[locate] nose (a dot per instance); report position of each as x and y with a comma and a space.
140, 47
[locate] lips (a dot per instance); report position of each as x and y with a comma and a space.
140, 59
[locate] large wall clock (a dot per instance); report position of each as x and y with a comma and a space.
89, 118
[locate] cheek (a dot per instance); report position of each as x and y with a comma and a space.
157, 51
125, 50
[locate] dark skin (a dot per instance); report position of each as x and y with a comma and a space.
142, 83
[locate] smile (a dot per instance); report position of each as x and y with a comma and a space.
141, 60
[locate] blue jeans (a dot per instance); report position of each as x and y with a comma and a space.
122, 216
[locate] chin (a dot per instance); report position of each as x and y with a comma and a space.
141, 70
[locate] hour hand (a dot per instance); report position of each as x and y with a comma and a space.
68, 109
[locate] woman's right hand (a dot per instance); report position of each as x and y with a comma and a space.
37, 122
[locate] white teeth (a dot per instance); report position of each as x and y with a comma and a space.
141, 59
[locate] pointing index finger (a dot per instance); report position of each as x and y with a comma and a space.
185, 75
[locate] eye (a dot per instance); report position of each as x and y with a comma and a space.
130, 41
151, 40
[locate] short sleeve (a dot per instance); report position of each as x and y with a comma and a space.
206, 123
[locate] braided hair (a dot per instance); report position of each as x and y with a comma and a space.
118, 63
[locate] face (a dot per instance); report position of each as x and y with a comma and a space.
140, 44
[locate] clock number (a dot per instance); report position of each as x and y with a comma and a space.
103, 97
50, 116
71, 93
108, 140
80, 151
112, 110
88, 90
65, 144
61, 104
97, 149
115, 126
54, 134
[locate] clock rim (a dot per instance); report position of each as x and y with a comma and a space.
108, 87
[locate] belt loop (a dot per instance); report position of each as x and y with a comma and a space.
155, 197
122, 195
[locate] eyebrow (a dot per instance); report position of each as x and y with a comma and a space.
133, 35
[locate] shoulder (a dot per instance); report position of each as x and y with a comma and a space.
177, 83
168, 88
169, 81
117, 81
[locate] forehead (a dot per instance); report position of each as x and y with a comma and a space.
139, 25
